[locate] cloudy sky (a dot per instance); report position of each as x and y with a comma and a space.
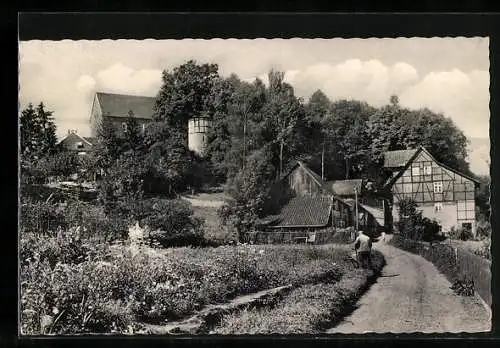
447, 75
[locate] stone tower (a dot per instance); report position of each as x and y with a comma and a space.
197, 134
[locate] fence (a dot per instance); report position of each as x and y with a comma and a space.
479, 269
324, 236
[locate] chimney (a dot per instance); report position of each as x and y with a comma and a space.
69, 131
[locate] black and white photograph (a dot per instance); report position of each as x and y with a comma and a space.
186, 187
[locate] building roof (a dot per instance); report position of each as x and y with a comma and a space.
77, 137
377, 213
391, 180
305, 212
119, 105
398, 158
323, 184
346, 187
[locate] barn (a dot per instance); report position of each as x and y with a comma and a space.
303, 201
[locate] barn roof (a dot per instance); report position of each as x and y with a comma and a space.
305, 212
398, 158
119, 105
346, 187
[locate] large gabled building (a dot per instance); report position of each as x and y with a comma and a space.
116, 108
441, 193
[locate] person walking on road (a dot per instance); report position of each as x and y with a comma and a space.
363, 247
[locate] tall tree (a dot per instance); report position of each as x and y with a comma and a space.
133, 137
395, 128
318, 107
38, 131
218, 135
283, 116
186, 93
345, 136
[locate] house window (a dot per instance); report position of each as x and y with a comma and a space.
143, 128
427, 170
438, 207
79, 145
124, 127
438, 187
415, 171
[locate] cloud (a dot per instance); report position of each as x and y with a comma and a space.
369, 80
462, 96
85, 83
123, 79
479, 155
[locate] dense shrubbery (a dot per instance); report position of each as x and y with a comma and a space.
485, 249
43, 217
412, 225
460, 233
483, 229
91, 288
40, 216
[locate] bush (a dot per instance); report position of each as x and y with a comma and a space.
412, 225
485, 249
172, 222
461, 233
94, 223
483, 229
41, 217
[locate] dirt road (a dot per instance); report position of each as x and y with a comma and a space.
412, 296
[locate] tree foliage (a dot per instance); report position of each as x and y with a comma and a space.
186, 93
412, 225
38, 132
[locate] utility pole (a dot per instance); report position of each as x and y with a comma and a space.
323, 162
281, 157
356, 205
244, 140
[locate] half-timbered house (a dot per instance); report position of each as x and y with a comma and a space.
441, 193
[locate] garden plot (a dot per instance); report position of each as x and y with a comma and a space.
68, 288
